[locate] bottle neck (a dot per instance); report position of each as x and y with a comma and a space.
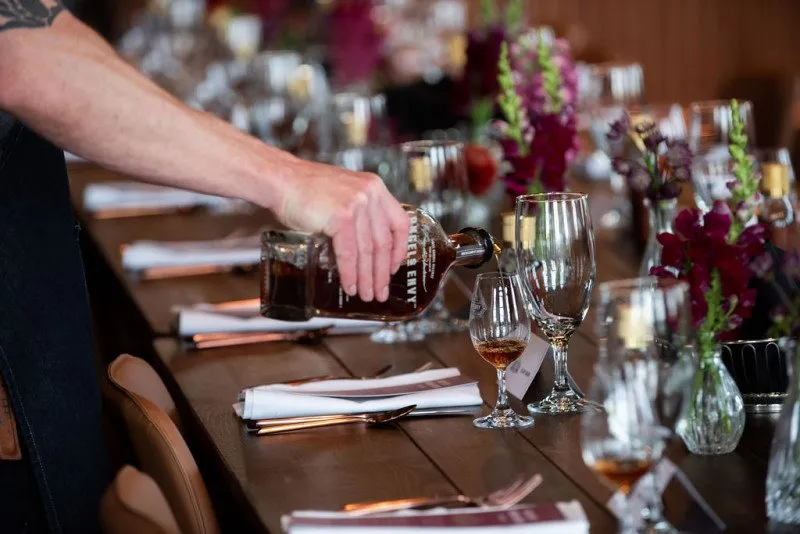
473, 246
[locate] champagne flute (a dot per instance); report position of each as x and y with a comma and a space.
555, 261
436, 181
648, 321
500, 329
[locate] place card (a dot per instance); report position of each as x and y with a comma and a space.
565, 518
659, 478
520, 374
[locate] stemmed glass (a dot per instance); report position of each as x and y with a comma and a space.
436, 181
500, 329
555, 260
644, 332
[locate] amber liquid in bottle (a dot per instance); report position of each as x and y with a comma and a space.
501, 352
622, 473
293, 292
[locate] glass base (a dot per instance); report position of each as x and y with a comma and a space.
661, 527
563, 402
443, 323
504, 419
398, 333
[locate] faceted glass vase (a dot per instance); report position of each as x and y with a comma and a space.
783, 476
714, 418
660, 213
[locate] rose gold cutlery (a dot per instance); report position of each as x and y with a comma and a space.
179, 271
276, 426
380, 373
503, 498
213, 341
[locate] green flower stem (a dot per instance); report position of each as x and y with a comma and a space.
514, 11
746, 180
510, 102
488, 12
550, 74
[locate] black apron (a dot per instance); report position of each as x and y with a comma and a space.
46, 348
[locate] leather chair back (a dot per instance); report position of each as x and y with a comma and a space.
134, 504
149, 413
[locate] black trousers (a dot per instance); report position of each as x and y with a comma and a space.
46, 350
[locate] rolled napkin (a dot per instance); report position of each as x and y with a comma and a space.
141, 255
244, 317
548, 518
107, 196
438, 388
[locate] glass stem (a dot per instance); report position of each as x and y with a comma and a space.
653, 510
502, 396
560, 363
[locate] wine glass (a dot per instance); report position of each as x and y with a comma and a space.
555, 261
710, 124
352, 120
649, 321
436, 181
777, 186
500, 329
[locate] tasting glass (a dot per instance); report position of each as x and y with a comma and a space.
777, 186
644, 330
500, 329
556, 264
353, 120
436, 181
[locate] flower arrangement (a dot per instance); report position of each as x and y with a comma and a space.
353, 42
713, 253
538, 92
658, 165
782, 274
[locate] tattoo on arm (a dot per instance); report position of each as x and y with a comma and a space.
28, 13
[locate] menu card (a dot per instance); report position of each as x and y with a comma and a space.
521, 373
555, 518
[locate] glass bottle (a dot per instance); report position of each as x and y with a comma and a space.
783, 476
714, 419
299, 278
661, 213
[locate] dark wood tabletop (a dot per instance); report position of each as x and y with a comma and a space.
329, 467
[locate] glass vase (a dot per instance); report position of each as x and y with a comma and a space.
660, 214
783, 476
714, 418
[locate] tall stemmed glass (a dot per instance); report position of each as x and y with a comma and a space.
500, 329
555, 260
646, 322
436, 181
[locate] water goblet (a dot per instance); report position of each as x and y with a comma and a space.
556, 264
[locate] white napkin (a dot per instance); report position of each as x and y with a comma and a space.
207, 319
551, 518
109, 195
148, 254
279, 400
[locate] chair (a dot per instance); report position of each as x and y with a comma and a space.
149, 413
134, 504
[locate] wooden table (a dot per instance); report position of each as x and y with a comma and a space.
325, 468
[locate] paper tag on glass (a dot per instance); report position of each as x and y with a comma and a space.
663, 473
520, 374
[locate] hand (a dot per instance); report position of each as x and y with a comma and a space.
368, 226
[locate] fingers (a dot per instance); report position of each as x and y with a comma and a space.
366, 245
345, 247
398, 222
382, 250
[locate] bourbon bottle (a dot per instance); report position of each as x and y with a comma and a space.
299, 278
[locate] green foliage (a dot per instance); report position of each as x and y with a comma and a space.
746, 180
488, 12
509, 101
514, 12
550, 74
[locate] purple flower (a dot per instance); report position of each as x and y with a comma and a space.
653, 139
762, 265
619, 128
678, 153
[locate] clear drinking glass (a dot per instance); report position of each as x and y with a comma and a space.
710, 124
353, 120
777, 186
556, 264
650, 319
500, 329
436, 181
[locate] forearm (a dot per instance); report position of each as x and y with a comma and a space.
66, 83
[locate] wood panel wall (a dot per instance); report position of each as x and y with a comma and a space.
689, 48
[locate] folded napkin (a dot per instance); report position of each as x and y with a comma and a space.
223, 252
132, 195
438, 388
210, 319
549, 518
